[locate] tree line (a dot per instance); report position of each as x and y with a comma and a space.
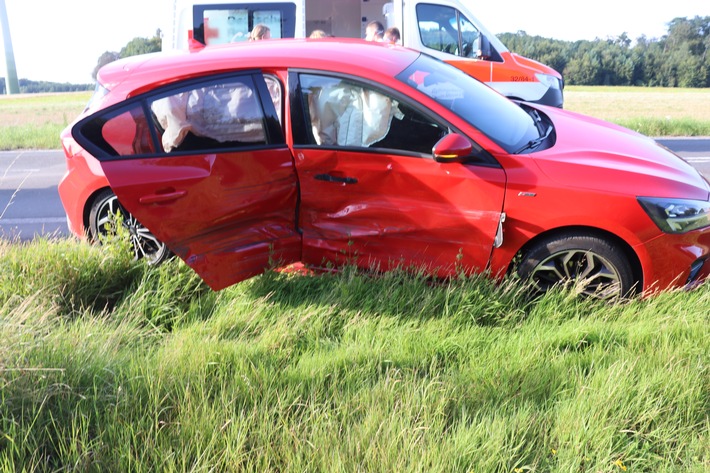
681, 58
134, 47
33, 87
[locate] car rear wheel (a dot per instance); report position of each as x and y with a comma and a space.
596, 267
102, 219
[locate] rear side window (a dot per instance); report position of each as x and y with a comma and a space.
221, 115
128, 133
234, 112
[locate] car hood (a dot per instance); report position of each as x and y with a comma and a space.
594, 154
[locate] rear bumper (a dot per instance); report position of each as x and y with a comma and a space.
81, 181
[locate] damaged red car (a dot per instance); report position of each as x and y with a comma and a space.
333, 152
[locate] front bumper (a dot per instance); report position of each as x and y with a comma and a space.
676, 260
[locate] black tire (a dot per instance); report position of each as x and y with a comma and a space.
595, 266
101, 220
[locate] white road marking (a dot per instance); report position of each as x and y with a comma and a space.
31, 221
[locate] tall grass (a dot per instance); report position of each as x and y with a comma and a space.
667, 127
107, 365
42, 136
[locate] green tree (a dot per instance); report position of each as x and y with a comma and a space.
691, 72
134, 47
105, 58
138, 46
551, 52
583, 69
680, 58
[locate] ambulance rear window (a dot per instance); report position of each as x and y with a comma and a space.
230, 23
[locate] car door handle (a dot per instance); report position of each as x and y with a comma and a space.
162, 197
331, 178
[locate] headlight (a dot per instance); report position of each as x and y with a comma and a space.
677, 215
549, 80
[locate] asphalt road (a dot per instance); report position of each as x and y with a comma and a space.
29, 201
30, 205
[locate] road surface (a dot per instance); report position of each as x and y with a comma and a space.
29, 201
30, 205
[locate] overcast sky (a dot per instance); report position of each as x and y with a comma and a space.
61, 40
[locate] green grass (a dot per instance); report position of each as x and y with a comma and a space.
34, 121
108, 365
42, 136
659, 127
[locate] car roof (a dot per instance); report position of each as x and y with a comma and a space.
144, 72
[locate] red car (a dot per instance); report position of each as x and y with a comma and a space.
330, 152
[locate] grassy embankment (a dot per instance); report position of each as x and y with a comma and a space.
34, 121
107, 365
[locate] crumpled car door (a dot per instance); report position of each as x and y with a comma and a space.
205, 167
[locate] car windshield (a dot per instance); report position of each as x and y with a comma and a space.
498, 118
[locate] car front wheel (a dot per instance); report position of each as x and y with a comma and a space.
595, 266
102, 218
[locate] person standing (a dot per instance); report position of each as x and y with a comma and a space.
392, 35
259, 32
374, 31
318, 34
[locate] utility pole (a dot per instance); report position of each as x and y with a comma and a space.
12, 86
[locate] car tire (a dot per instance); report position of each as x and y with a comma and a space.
144, 244
595, 266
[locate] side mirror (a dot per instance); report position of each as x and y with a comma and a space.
453, 148
483, 47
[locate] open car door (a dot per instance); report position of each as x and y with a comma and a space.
204, 166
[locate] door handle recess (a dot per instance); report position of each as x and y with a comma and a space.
331, 178
160, 198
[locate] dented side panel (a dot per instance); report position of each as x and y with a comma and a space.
397, 211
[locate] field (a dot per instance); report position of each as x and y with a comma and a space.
626, 103
35, 121
108, 365
651, 111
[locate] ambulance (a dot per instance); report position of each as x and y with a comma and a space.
446, 29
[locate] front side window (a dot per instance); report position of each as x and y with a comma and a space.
469, 38
445, 29
347, 113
